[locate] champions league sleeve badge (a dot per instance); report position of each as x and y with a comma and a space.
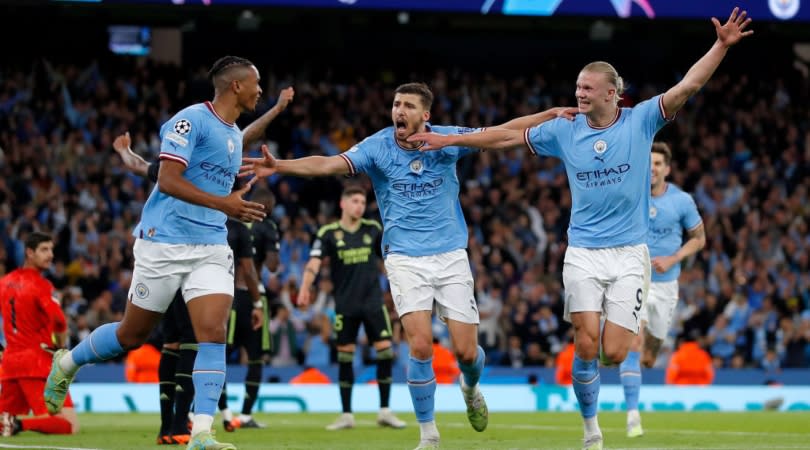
182, 127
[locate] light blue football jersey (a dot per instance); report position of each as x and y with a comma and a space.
671, 214
211, 150
417, 192
608, 172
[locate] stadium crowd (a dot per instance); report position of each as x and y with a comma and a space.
742, 148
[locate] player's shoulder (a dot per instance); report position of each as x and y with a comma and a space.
379, 140
675, 191
327, 228
184, 121
452, 129
371, 223
196, 112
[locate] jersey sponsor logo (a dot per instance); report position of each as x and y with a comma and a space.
416, 166
354, 255
600, 146
417, 190
182, 127
783, 9
223, 176
603, 177
141, 290
176, 138
660, 232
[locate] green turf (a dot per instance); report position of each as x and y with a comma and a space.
664, 430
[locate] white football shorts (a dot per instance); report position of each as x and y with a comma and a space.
162, 269
417, 280
613, 281
660, 306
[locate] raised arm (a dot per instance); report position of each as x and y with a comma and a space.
255, 130
728, 34
310, 166
132, 160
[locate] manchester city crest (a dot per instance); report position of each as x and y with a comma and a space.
231, 146
600, 146
141, 290
416, 166
653, 212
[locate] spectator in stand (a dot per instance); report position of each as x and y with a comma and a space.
690, 364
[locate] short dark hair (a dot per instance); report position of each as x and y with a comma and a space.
227, 62
663, 149
36, 238
420, 89
350, 190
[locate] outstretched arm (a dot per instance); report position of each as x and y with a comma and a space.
728, 34
502, 137
256, 128
521, 123
310, 166
491, 139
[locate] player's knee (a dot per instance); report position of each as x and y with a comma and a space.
467, 355
615, 354
212, 332
132, 340
421, 348
587, 349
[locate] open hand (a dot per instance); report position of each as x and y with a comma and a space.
566, 112
732, 31
260, 167
234, 206
431, 141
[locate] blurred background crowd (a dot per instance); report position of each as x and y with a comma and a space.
741, 147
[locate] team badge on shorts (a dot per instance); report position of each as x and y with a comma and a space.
653, 212
600, 146
182, 127
141, 290
417, 166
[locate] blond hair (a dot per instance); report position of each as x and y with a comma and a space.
611, 74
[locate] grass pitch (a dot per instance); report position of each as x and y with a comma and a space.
663, 430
